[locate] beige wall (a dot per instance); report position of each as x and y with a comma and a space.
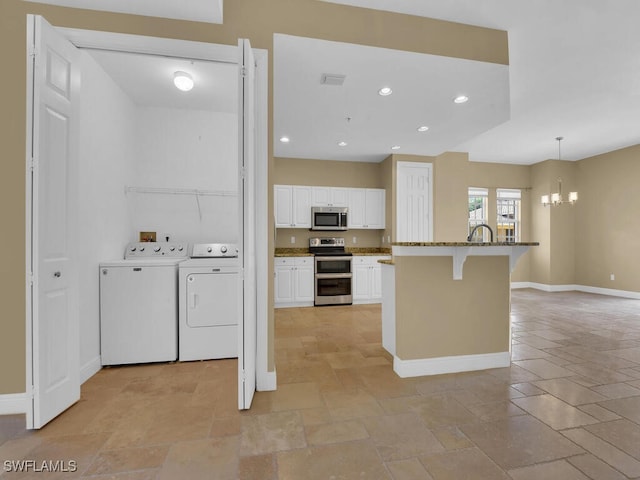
437, 316
607, 232
257, 20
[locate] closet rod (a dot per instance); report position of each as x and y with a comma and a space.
180, 191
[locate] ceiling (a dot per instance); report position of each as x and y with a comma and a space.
574, 72
148, 80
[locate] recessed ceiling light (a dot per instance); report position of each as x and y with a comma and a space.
183, 81
461, 99
285, 139
342, 144
384, 91
395, 147
423, 128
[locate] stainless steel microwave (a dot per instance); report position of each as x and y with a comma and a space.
329, 218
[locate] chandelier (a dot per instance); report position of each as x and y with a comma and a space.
556, 198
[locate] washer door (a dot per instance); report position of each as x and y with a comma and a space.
212, 299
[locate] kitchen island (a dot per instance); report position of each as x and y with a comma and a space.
446, 305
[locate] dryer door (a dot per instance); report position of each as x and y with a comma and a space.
212, 299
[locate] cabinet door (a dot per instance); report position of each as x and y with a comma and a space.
320, 196
283, 204
376, 281
339, 197
356, 215
304, 291
301, 207
283, 285
375, 208
361, 281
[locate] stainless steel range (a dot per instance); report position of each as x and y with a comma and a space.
333, 274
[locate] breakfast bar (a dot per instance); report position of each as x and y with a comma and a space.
446, 305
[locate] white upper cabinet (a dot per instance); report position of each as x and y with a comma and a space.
367, 208
292, 206
329, 197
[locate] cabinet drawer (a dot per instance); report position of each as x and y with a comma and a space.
284, 261
303, 261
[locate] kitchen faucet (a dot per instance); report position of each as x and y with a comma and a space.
478, 226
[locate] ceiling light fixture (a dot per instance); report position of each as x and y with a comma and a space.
461, 99
395, 147
385, 91
423, 128
342, 144
285, 139
183, 81
555, 199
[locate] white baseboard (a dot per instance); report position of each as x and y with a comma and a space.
266, 381
459, 363
293, 305
576, 288
89, 369
14, 403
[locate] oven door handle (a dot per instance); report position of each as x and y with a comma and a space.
321, 276
340, 258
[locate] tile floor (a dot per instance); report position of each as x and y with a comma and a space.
567, 408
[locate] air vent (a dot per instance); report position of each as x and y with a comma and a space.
332, 79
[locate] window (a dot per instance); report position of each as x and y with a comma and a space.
478, 198
508, 222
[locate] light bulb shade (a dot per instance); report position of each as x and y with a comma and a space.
556, 198
573, 197
544, 200
183, 81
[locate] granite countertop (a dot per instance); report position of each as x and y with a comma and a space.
304, 252
387, 262
465, 244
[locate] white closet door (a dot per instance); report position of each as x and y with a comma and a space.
415, 218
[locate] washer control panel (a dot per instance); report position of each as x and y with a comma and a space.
214, 250
156, 249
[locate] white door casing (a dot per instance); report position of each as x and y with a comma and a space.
247, 327
414, 199
52, 305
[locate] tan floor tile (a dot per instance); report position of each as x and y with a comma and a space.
115, 461
559, 469
225, 426
555, 413
599, 413
626, 407
514, 374
347, 460
325, 434
617, 390
262, 467
528, 389
151, 474
438, 410
569, 392
495, 410
410, 469
296, 396
271, 432
632, 354
187, 423
347, 404
451, 437
605, 451
522, 351
622, 434
401, 436
595, 468
544, 369
466, 463
598, 374
202, 459
315, 416
518, 441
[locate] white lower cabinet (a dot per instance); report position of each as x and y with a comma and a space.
293, 284
367, 278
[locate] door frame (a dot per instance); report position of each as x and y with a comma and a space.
184, 49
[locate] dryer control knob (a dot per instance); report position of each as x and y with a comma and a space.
180, 248
172, 248
132, 249
223, 249
156, 249
209, 249
142, 249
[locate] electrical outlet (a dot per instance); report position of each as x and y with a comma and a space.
388, 238
355, 240
382, 238
613, 276
293, 239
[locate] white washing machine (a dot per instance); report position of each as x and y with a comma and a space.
210, 298
139, 304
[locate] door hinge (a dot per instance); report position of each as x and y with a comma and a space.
243, 172
243, 71
33, 51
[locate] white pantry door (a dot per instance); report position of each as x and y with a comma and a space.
247, 326
54, 78
414, 186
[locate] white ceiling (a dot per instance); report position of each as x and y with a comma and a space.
574, 72
316, 117
148, 80
209, 11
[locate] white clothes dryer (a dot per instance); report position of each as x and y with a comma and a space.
210, 303
139, 304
